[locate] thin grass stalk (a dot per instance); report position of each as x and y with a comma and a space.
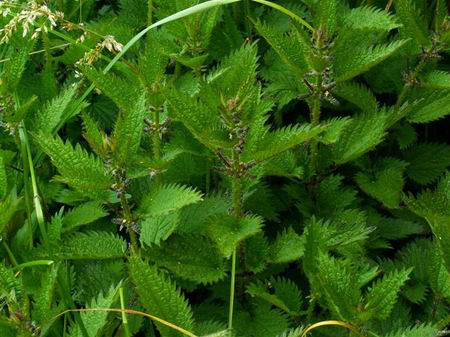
26, 185
345, 325
126, 328
132, 312
36, 197
237, 212
34, 264
11, 256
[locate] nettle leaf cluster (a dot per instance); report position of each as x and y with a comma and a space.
230, 168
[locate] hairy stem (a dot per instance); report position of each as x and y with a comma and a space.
315, 119
315, 105
410, 82
129, 219
156, 140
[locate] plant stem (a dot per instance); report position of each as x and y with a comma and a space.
237, 212
208, 176
232, 290
248, 26
156, 140
315, 113
128, 217
149, 19
150, 13
26, 186
124, 315
10, 254
315, 119
412, 78
36, 198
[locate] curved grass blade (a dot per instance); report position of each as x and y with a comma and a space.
132, 312
332, 323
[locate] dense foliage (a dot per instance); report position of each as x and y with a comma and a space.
245, 168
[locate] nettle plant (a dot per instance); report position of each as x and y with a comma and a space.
224, 168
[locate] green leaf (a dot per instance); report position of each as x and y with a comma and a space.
359, 95
280, 292
42, 309
96, 138
434, 206
327, 16
49, 117
436, 79
10, 286
84, 214
386, 183
262, 322
370, 19
362, 134
78, 169
95, 321
334, 128
191, 257
434, 108
351, 62
167, 199
427, 162
339, 285
281, 140
412, 21
92, 246
424, 330
160, 296
438, 275
228, 232
290, 47
158, 228
287, 247
127, 134
14, 69
120, 90
382, 296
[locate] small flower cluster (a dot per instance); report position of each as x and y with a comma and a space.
27, 18
109, 43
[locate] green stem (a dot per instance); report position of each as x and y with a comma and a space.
150, 13
315, 120
177, 72
237, 212
232, 290
36, 198
129, 219
208, 176
247, 18
10, 254
149, 18
26, 186
124, 315
156, 140
34, 263
407, 87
